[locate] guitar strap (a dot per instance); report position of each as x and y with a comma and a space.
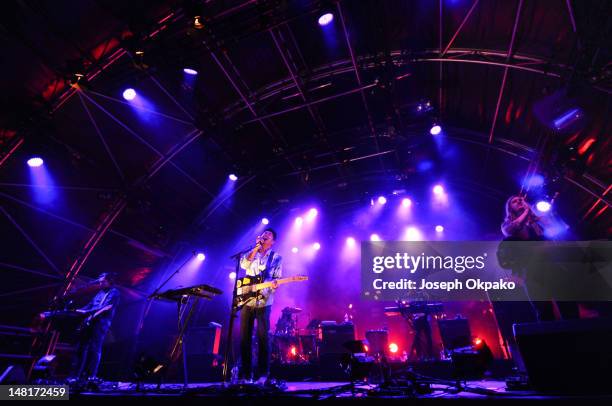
268, 264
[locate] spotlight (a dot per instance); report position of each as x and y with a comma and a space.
35, 162
201, 256
393, 348
312, 213
413, 234
543, 206
265, 221
190, 71
232, 275
233, 177
374, 237
316, 246
477, 341
382, 200
326, 19
295, 250
299, 221
439, 229
350, 241
438, 189
129, 94
406, 202
197, 23
435, 129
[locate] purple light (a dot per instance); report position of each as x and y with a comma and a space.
233, 177
201, 256
543, 206
326, 19
295, 250
439, 229
438, 190
265, 221
129, 94
435, 130
312, 213
190, 71
232, 275
382, 200
316, 246
406, 202
413, 234
350, 241
35, 162
374, 237
298, 221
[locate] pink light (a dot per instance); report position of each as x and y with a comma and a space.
439, 229
406, 202
312, 213
438, 190
350, 241
382, 200
316, 246
374, 237
298, 221
326, 19
295, 250
201, 256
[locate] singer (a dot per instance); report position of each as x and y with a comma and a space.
265, 264
521, 224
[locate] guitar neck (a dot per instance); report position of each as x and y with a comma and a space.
282, 281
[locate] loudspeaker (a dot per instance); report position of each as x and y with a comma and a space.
334, 336
569, 356
455, 333
203, 340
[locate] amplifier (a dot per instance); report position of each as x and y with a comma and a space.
334, 336
203, 340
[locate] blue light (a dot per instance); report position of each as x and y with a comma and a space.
265, 221
35, 162
233, 177
201, 256
190, 71
435, 130
129, 94
326, 19
543, 206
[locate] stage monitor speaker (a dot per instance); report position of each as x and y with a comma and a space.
455, 333
569, 356
334, 336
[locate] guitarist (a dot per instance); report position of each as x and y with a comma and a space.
99, 313
266, 265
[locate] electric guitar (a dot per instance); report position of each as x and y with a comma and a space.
249, 287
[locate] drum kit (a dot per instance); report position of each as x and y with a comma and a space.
290, 344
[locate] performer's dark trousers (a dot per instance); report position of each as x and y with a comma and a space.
89, 349
248, 315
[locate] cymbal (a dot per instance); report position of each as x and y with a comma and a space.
291, 310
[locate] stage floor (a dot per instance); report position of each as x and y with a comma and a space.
482, 390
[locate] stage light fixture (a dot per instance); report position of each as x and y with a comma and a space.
200, 256
197, 23
325, 19
439, 229
35, 162
316, 246
232, 275
312, 213
350, 241
393, 348
265, 221
190, 71
438, 189
233, 177
382, 200
543, 206
298, 221
406, 202
295, 250
129, 94
435, 129
374, 237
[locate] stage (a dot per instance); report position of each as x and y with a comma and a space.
300, 392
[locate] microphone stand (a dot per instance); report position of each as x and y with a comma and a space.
152, 295
233, 313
